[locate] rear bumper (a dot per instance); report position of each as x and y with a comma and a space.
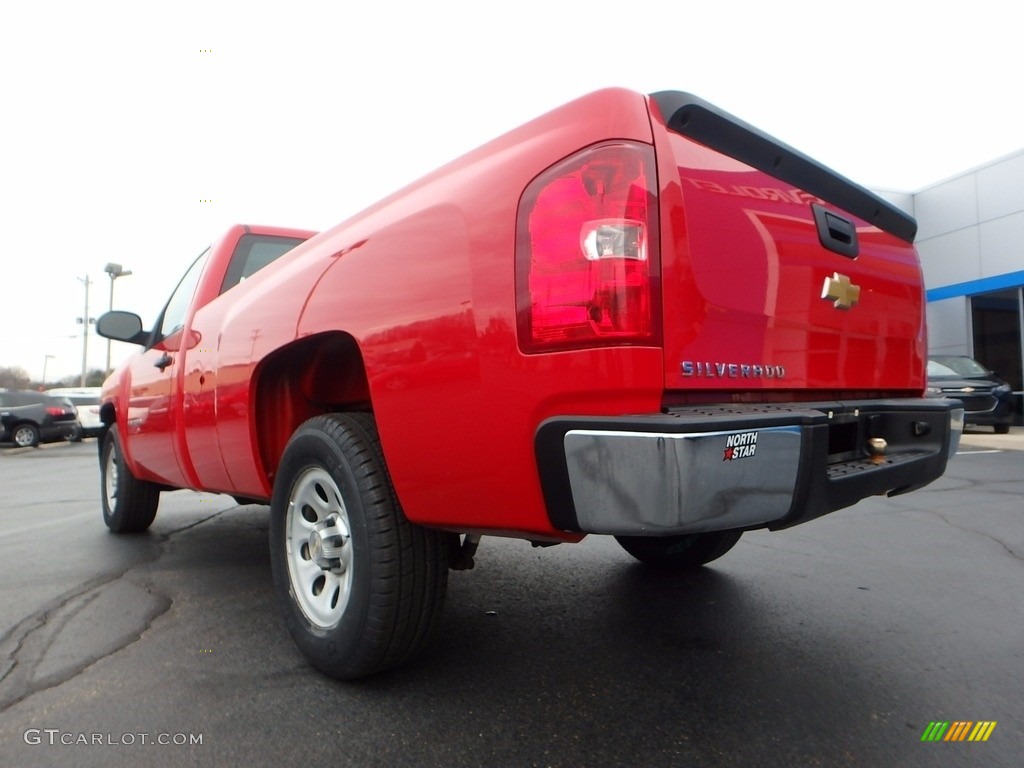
58, 430
737, 467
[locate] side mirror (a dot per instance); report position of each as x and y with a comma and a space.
122, 326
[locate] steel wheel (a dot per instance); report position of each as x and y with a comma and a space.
129, 504
360, 587
319, 548
110, 477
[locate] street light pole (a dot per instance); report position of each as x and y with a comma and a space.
46, 361
115, 271
85, 320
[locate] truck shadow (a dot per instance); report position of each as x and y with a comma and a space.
571, 656
591, 661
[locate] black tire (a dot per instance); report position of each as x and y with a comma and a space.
25, 435
129, 504
1001, 429
77, 435
361, 588
679, 553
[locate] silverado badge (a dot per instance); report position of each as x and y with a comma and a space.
840, 291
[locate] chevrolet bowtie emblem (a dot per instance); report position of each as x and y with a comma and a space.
840, 291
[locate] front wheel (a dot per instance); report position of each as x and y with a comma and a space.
684, 552
1002, 429
360, 586
129, 504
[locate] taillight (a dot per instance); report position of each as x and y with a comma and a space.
586, 248
53, 411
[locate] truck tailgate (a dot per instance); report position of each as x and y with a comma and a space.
777, 273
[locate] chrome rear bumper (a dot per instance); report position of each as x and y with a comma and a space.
737, 467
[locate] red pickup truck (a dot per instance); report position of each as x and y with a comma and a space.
635, 315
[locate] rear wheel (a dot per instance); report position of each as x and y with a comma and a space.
687, 551
129, 504
1001, 429
25, 435
360, 586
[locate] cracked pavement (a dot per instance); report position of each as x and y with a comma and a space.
834, 643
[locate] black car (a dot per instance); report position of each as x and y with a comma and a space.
987, 399
87, 402
29, 418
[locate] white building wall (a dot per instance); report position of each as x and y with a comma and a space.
970, 227
946, 207
949, 331
950, 258
1001, 242
1001, 188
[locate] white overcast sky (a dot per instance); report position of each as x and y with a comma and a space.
115, 121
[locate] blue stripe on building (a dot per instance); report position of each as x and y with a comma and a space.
974, 287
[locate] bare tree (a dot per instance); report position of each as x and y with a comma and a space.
13, 378
94, 378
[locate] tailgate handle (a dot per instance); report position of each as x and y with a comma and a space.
837, 233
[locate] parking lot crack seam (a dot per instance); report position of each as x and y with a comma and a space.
165, 536
1000, 542
43, 648
13, 640
29, 646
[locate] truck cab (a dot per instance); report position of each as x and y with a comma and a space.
168, 396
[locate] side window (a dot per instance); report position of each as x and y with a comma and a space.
252, 254
173, 317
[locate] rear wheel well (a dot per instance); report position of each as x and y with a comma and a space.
316, 375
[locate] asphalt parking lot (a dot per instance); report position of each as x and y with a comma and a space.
834, 643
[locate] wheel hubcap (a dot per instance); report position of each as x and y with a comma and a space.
326, 544
318, 547
23, 438
110, 484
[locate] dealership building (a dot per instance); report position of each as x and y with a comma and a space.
971, 241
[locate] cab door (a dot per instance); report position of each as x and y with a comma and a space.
152, 423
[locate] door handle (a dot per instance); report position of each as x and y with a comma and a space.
835, 232
163, 361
